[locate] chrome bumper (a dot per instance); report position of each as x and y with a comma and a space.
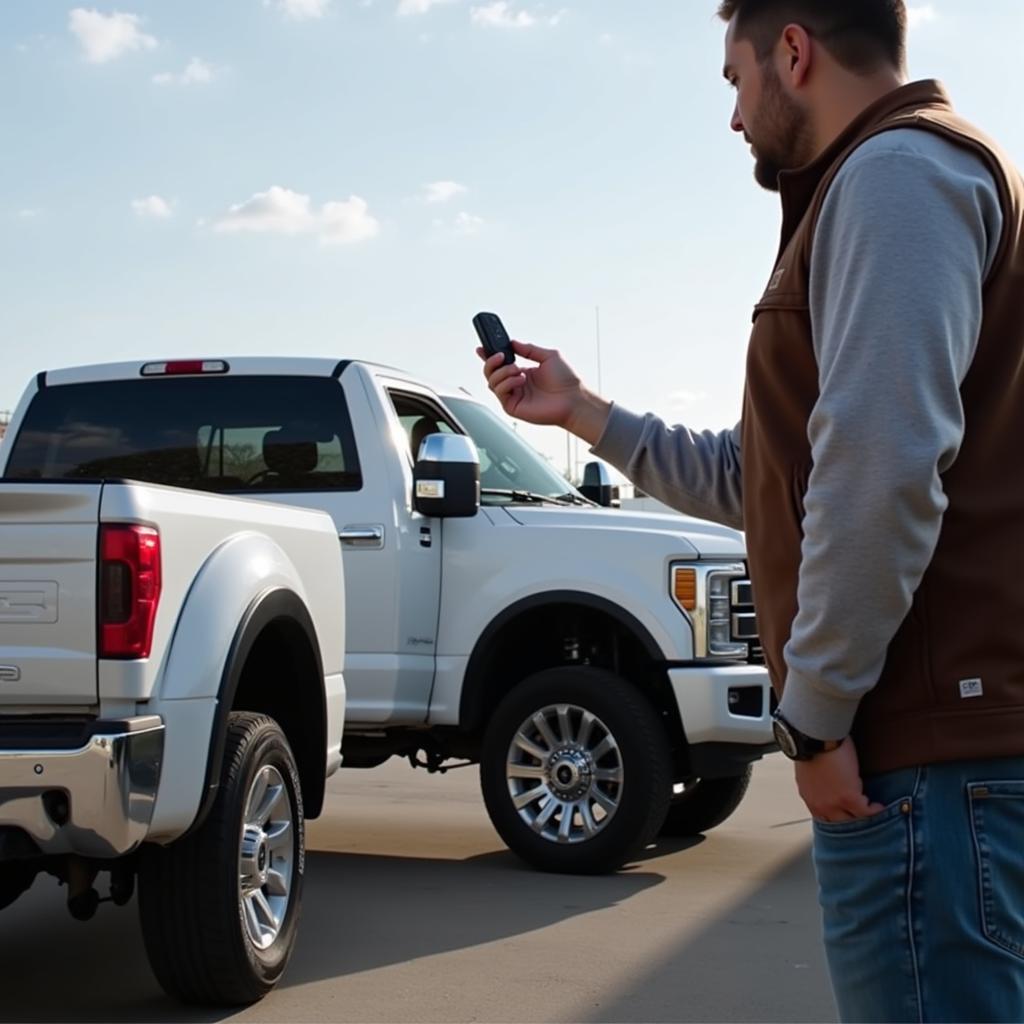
96, 800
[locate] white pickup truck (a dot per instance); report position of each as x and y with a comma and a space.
171, 693
602, 668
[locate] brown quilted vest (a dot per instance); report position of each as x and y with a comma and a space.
967, 618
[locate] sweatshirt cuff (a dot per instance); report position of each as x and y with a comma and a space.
621, 436
820, 715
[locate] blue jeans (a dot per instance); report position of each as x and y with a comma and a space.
923, 904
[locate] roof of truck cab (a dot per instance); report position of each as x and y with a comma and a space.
305, 366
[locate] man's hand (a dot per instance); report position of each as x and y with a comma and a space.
831, 786
549, 394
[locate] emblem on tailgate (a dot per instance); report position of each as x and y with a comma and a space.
29, 602
9, 673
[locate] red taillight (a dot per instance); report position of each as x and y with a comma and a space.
129, 590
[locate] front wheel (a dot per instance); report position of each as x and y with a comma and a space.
705, 803
575, 770
220, 908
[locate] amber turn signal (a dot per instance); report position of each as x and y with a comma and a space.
686, 588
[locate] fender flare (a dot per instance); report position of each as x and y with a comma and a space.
270, 606
472, 700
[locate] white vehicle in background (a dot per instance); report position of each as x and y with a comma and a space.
602, 668
171, 697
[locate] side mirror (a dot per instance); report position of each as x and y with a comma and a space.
597, 484
446, 478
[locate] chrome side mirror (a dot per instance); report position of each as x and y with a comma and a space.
597, 484
446, 477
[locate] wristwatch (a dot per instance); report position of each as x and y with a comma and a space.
795, 745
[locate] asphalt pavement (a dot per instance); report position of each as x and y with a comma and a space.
414, 911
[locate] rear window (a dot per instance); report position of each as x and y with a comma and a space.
222, 434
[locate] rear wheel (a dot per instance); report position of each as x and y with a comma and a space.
575, 770
705, 803
220, 908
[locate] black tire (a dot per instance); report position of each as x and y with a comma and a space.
645, 763
705, 804
16, 877
190, 901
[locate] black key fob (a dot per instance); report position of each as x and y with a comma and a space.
493, 336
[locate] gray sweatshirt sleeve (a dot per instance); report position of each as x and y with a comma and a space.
698, 474
905, 240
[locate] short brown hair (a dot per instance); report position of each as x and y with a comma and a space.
862, 35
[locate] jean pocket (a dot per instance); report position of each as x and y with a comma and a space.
863, 826
997, 818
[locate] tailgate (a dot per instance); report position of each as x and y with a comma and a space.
48, 538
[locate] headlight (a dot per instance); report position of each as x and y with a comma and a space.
709, 594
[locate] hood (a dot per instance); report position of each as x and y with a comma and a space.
708, 539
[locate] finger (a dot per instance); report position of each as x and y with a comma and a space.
508, 386
861, 807
491, 363
504, 373
534, 352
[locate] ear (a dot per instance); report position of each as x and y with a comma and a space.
796, 55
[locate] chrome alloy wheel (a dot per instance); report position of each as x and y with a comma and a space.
266, 857
564, 772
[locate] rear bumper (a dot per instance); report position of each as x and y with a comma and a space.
95, 800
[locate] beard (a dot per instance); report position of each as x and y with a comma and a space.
783, 138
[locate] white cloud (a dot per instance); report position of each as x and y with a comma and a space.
921, 14
468, 224
342, 223
407, 7
284, 212
300, 10
278, 210
197, 72
686, 398
152, 207
500, 15
442, 191
28, 213
105, 37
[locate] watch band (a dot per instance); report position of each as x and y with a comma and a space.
796, 745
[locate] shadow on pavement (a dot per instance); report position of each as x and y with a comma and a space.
705, 977
53, 968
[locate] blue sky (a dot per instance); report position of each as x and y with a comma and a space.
357, 178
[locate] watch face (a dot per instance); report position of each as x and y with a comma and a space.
784, 739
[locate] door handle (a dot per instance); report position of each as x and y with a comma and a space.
366, 537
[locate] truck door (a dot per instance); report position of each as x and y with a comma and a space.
392, 558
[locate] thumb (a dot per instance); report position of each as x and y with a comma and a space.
534, 352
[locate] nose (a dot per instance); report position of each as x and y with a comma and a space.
736, 123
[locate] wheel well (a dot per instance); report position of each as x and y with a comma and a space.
282, 678
566, 632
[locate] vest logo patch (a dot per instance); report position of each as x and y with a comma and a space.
776, 279
970, 688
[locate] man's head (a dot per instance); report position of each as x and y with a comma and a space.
792, 60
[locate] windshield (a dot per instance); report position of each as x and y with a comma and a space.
507, 463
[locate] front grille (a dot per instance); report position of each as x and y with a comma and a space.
743, 618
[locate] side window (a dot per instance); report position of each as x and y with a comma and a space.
420, 418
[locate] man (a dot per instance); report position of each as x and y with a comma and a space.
879, 474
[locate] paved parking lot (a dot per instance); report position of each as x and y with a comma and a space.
414, 912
